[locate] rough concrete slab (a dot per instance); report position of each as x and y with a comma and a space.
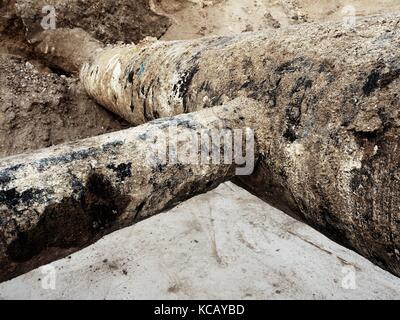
226, 244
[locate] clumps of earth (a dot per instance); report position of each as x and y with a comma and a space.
41, 106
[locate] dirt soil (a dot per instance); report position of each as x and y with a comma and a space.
39, 109
40, 106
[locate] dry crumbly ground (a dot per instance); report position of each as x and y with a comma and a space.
197, 18
38, 110
40, 107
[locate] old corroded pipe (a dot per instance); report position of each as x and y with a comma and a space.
330, 153
58, 200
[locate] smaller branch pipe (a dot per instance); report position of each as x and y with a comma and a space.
59, 200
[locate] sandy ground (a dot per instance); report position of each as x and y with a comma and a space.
197, 18
226, 244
